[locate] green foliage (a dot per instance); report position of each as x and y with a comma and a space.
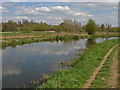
40, 27
27, 28
9, 26
91, 27
57, 28
114, 29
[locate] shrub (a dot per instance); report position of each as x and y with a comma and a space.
27, 28
57, 28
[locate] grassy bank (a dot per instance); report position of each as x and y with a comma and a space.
101, 80
82, 70
6, 42
27, 40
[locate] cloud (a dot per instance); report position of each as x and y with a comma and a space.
42, 9
22, 17
60, 8
53, 14
3, 9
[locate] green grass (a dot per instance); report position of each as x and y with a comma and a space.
101, 80
85, 65
20, 33
27, 40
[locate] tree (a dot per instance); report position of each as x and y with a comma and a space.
27, 28
57, 28
91, 27
77, 26
102, 27
9, 26
108, 27
67, 25
40, 27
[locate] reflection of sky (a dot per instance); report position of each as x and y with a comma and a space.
27, 62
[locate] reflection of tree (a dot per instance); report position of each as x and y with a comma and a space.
90, 42
67, 42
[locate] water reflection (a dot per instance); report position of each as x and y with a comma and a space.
27, 62
90, 42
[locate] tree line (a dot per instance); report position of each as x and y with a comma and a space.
66, 25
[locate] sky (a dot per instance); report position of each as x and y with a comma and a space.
55, 12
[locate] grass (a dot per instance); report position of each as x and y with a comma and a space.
43, 36
119, 68
27, 40
101, 80
85, 65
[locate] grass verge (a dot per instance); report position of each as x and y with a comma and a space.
84, 67
101, 80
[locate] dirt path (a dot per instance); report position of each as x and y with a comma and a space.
89, 81
113, 80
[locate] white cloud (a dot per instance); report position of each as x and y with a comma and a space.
60, 8
56, 13
3, 9
27, 12
22, 17
78, 13
42, 9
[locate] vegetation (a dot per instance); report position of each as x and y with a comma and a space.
101, 80
27, 40
9, 26
82, 70
57, 28
66, 25
27, 29
91, 27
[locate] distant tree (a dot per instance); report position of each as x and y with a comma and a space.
77, 26
9, 26
67, 25
43, 26
108, 27
102, 27
91, 27
40, 27
27, 28
57, 28
25, 22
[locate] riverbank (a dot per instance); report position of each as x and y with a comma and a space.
20, 40
83, 68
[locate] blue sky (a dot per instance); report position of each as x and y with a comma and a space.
56, 12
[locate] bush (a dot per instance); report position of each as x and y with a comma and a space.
27, 28
57, 28
114, 29
40, 27
91, 27
9, 26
